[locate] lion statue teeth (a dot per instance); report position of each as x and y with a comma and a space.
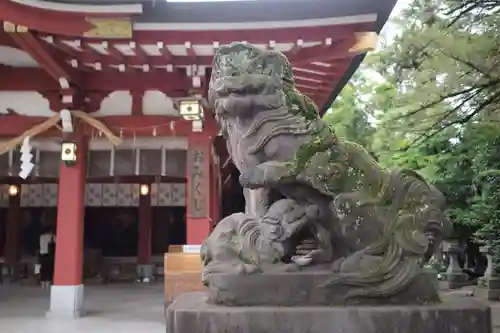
375, 228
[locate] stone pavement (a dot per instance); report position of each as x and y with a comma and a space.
495, 306
114, 308
495, 315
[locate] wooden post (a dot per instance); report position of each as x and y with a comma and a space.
198, 221
145, 268
12, 248
66, 296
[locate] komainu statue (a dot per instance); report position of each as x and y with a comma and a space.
320, 210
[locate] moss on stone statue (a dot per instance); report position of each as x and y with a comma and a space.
344, 171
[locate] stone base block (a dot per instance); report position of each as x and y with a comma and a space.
66, 302
303, 289
489, 282
488, 294
191, 313
488, 288
145, 272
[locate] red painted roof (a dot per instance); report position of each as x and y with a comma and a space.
172, 44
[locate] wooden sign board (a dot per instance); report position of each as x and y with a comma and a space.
109, 28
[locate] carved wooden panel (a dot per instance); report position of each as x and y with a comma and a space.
109, 195
171, 195
39, 195
99, 163
35, 197
100, 195
49, 195
123, 195
93, 195
197, 204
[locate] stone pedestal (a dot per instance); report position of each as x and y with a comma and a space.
191, 313
66, 302
145, 273
455, 278
303, 289
488, 286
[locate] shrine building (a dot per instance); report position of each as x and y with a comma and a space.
105, 132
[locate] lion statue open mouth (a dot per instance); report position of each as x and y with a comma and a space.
328, 200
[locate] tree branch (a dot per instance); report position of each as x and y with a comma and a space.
461, 14
492, 99
467, 63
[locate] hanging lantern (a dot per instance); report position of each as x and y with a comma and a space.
192, 110
13, 190
144, 190
68, 153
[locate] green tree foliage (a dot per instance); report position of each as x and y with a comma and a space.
484, 211
446, 63
348, 117
433, 106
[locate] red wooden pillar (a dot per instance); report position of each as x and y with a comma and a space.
12, 249
198, 221
67, 292
145, 268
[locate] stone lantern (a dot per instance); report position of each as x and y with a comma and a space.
454, 276
488, 286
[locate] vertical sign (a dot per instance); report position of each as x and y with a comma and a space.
197, 183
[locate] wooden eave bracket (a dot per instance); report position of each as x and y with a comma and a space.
10, 27
30, 44
365, 42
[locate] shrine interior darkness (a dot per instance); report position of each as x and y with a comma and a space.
113, 231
